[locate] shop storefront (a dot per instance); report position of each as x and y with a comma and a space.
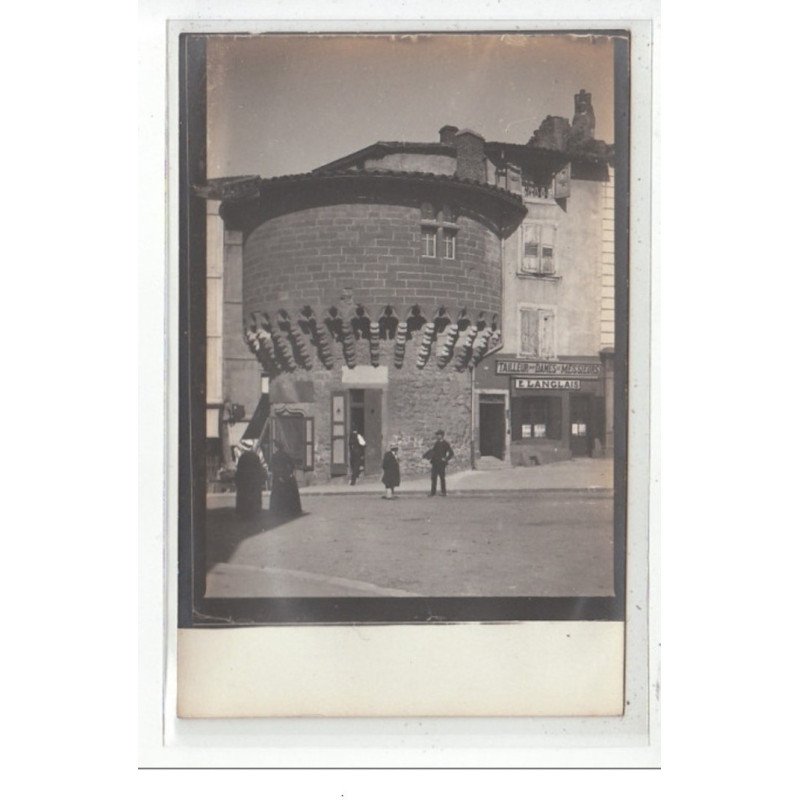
556, 408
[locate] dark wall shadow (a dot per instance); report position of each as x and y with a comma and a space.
225, 531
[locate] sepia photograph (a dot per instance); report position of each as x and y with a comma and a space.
403, 327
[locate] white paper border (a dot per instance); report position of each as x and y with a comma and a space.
166, 740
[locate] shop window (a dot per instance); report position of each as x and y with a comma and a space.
296, 433
540, 418
537, 332
545, 414
538, 249
429, 242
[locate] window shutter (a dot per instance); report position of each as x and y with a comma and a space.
529, 331
309, 459
561, 183
547, 250
530, 248
338, 433
546, 343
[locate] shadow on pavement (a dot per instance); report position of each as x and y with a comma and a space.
225, 531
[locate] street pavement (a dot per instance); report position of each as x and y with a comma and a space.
521, 538
583, 474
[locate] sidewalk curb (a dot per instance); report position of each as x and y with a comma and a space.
597, 491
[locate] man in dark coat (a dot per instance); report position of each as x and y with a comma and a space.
391, 472
250, 477
439, 456
357, 448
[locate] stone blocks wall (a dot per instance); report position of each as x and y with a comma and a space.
374, 251
417, 402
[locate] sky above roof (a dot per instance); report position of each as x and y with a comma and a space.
281, 104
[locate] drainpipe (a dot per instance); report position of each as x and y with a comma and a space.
472, 417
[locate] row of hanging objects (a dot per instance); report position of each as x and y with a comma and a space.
316, 333
281, 347
447, 345
374, 344
481, 345
424, 352
296, 341
401, 336
349, 346
465, 351
259, 341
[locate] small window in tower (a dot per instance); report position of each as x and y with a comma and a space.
429, 242
449, 243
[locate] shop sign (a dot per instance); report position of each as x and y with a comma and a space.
550, 369
544, 383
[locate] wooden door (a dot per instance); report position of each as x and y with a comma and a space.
338, 433
580, 437
373, 399
492, 425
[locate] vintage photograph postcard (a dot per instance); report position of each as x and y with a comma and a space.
403, 372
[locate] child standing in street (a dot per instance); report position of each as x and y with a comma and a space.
391, 472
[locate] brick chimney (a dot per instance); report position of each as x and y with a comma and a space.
470, 156
447, 134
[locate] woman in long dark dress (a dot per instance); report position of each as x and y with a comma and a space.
249, 483
391, 472
284, 497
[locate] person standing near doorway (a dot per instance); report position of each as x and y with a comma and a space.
358, 446
439, 455
284, 496
250, 476
391, 472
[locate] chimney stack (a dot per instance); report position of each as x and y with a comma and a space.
447, 134
470, 156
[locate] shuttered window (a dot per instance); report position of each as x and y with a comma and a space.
538, 249
537, 332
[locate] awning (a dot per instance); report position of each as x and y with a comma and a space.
259, 420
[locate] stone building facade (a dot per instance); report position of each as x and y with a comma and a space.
548, 393
380, 291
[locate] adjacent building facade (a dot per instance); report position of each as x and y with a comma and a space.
410, 286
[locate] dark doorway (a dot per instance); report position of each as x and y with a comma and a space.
580, 436
492, 425
365, 417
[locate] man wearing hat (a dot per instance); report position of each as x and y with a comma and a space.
439, 455
391, 472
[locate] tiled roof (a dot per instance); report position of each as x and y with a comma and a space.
381, 148
430, 177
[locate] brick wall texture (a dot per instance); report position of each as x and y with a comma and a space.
312, 256
417, 403
372, 254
